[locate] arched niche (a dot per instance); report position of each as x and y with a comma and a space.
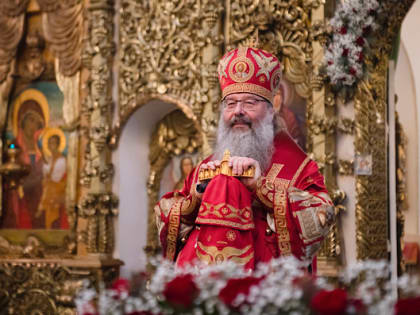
139, 158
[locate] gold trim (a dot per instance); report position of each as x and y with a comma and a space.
261, 196
280, 220
214, 255
248, 88
173, 227
273, 172
238, 226
299, 171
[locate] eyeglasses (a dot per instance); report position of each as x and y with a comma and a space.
247, 104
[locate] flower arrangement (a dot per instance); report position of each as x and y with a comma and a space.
282, 286
353, 25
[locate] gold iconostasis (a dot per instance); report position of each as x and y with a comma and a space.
73, 73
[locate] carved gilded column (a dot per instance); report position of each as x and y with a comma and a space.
371, 140
212, 52
322, 126
97, 205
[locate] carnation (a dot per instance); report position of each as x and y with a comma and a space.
353, 24
281, 286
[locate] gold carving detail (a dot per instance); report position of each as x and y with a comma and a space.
370, 130
162, 44
99, 210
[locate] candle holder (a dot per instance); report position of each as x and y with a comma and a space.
12, 171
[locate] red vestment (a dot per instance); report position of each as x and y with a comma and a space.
289, 214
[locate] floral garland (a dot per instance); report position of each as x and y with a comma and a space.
353, 24
279, 287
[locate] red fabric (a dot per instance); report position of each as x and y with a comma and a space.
226, 202
250, 70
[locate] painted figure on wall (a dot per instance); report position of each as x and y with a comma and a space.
285, 99
29, 119
52, 204
39, 202
186, 166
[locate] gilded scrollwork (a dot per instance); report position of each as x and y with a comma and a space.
97, 205
99, 210
44, 287
346, 167
282, 28
163, 56
370, 138
371, 213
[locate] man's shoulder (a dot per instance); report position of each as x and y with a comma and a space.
286, 148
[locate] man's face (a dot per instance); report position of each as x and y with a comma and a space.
242, 110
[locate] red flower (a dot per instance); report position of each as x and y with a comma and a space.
366, 30
330, 302
360, 41
409, 306
237, 286
352, 71
120, 285
345, 52
343, 30
361, 56
181, 291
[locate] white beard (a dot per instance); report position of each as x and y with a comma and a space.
255, 143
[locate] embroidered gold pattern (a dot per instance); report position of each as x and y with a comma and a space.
226, 213
280, 221
223, 65
214, 255
241, 69
299, 171
309, 223
174, 221
274, 172
231, 235
266, 64
248, 88
235, 225
275, 80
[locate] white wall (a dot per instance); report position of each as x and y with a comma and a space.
407, 112
345, 151
407, 83
131, 173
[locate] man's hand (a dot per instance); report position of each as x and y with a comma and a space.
205, 166
240, 164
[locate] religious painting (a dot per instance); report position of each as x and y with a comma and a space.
34, 120
292, 109
176, 172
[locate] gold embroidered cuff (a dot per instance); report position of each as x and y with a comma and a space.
263, 192
189, 204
